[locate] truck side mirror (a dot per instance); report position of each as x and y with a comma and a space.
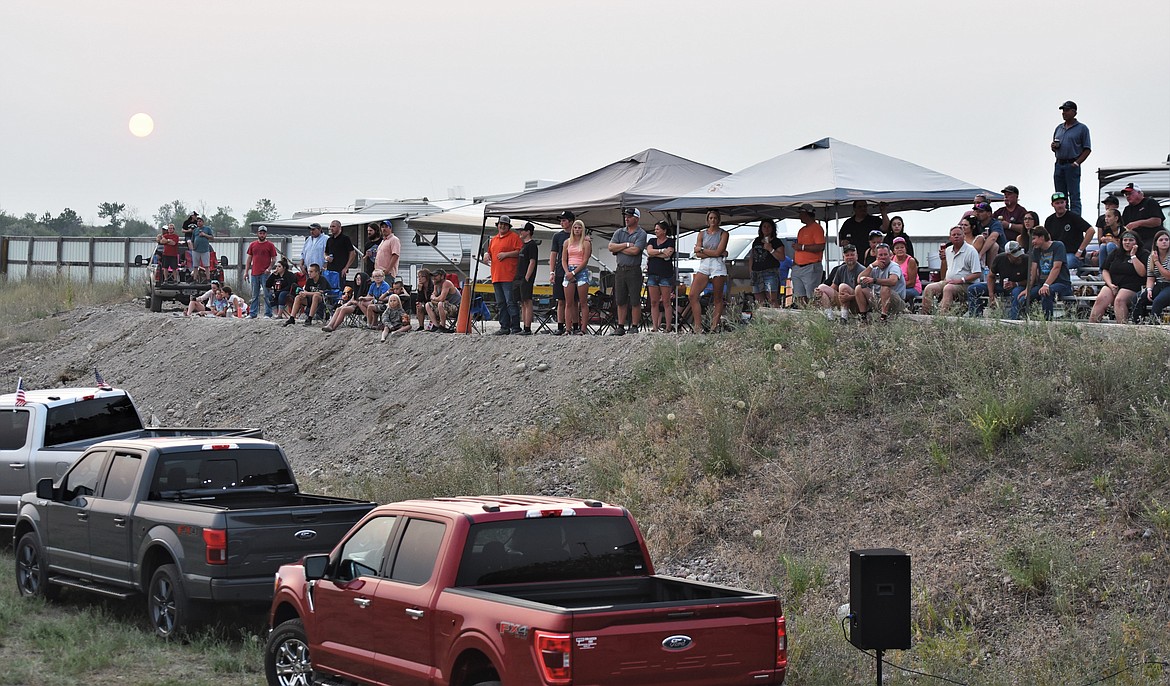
138, 260
223, 260
315, 566
45, 489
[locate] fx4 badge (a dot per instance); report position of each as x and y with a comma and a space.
512, 629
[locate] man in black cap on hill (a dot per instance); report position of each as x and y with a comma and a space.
1142, 215
1070, 144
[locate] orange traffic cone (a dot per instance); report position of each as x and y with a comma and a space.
463, 319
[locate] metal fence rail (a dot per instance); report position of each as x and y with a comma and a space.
104, 259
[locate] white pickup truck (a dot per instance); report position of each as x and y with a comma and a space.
45, 435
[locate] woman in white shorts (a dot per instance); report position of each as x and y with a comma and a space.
711, 249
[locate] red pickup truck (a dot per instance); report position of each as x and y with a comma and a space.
513, 590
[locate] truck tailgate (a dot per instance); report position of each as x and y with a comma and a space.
261, 540
723, 643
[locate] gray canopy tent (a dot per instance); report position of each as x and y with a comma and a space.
597, 198
830, 175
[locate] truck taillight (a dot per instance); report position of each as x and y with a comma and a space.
781, 644
553, 653
216, 542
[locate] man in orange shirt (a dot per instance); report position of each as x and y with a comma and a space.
808, 272
502, 256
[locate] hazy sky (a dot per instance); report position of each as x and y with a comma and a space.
314, 104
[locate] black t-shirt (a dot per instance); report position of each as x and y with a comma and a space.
1069, 229
1145, 209
762, 258
558, 245
1003, 268
280, 282
319, 285
527, 254
1122, 272
340, 247
857, 232
659, 266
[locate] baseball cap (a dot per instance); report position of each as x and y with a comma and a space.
529, 227
631, 212
1068, 105
807, 208
1131, 187
876, 232
898, 240
1059, 196
262, 228
1010, 189
1111, 200
504, 219
215, 282
315, 225
567, 215
981, 207
1013, 248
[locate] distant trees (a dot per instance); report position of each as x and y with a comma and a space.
173, 212
111, 210
224, 223
264, 211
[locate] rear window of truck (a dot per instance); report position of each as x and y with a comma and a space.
92, 418
550, 549
219, 470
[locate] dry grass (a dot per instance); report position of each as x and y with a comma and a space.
27, 307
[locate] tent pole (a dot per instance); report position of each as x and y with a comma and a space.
463, 319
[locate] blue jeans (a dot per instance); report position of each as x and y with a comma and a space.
1048, 303
1067, 179
258, 290
977, 290
509, 307
1103, 253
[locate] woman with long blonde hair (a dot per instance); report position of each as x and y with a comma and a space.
575, 254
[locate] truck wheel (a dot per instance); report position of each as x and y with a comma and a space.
488, 683
32, 574
171, 612
155, 302
286, 656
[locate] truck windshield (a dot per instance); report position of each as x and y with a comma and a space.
243, 469
550, 549
90, 418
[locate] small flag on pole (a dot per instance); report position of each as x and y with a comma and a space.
20, 399
101, 383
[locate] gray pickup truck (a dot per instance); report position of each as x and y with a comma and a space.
183, 521
43, 434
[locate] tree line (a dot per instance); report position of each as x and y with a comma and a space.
120, 223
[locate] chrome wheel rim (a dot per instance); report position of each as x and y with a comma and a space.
292, 663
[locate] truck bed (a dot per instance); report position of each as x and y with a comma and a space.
614, 594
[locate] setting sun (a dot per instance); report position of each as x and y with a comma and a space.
141, 125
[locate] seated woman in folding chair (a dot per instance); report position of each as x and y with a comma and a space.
711, 248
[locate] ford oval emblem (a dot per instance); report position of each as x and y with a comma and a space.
676, 643
305, 534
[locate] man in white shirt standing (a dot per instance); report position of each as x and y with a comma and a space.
313, 251
960, 264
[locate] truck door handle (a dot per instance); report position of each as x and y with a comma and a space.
83, 516
363, 603
16, 465
414, 614
120, 522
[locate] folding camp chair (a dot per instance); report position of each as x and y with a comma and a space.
544, 314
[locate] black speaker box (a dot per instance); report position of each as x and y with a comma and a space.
879, 599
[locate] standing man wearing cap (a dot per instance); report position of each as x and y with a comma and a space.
339, 251
389, 251
1071, 145
1070, 229
526, 277
503, 257
807, 271
1007, 276
313, 251
556, 270
1011, 215
201, 244
261, 255
627, 245
169, 260
855, 230
1142, 215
